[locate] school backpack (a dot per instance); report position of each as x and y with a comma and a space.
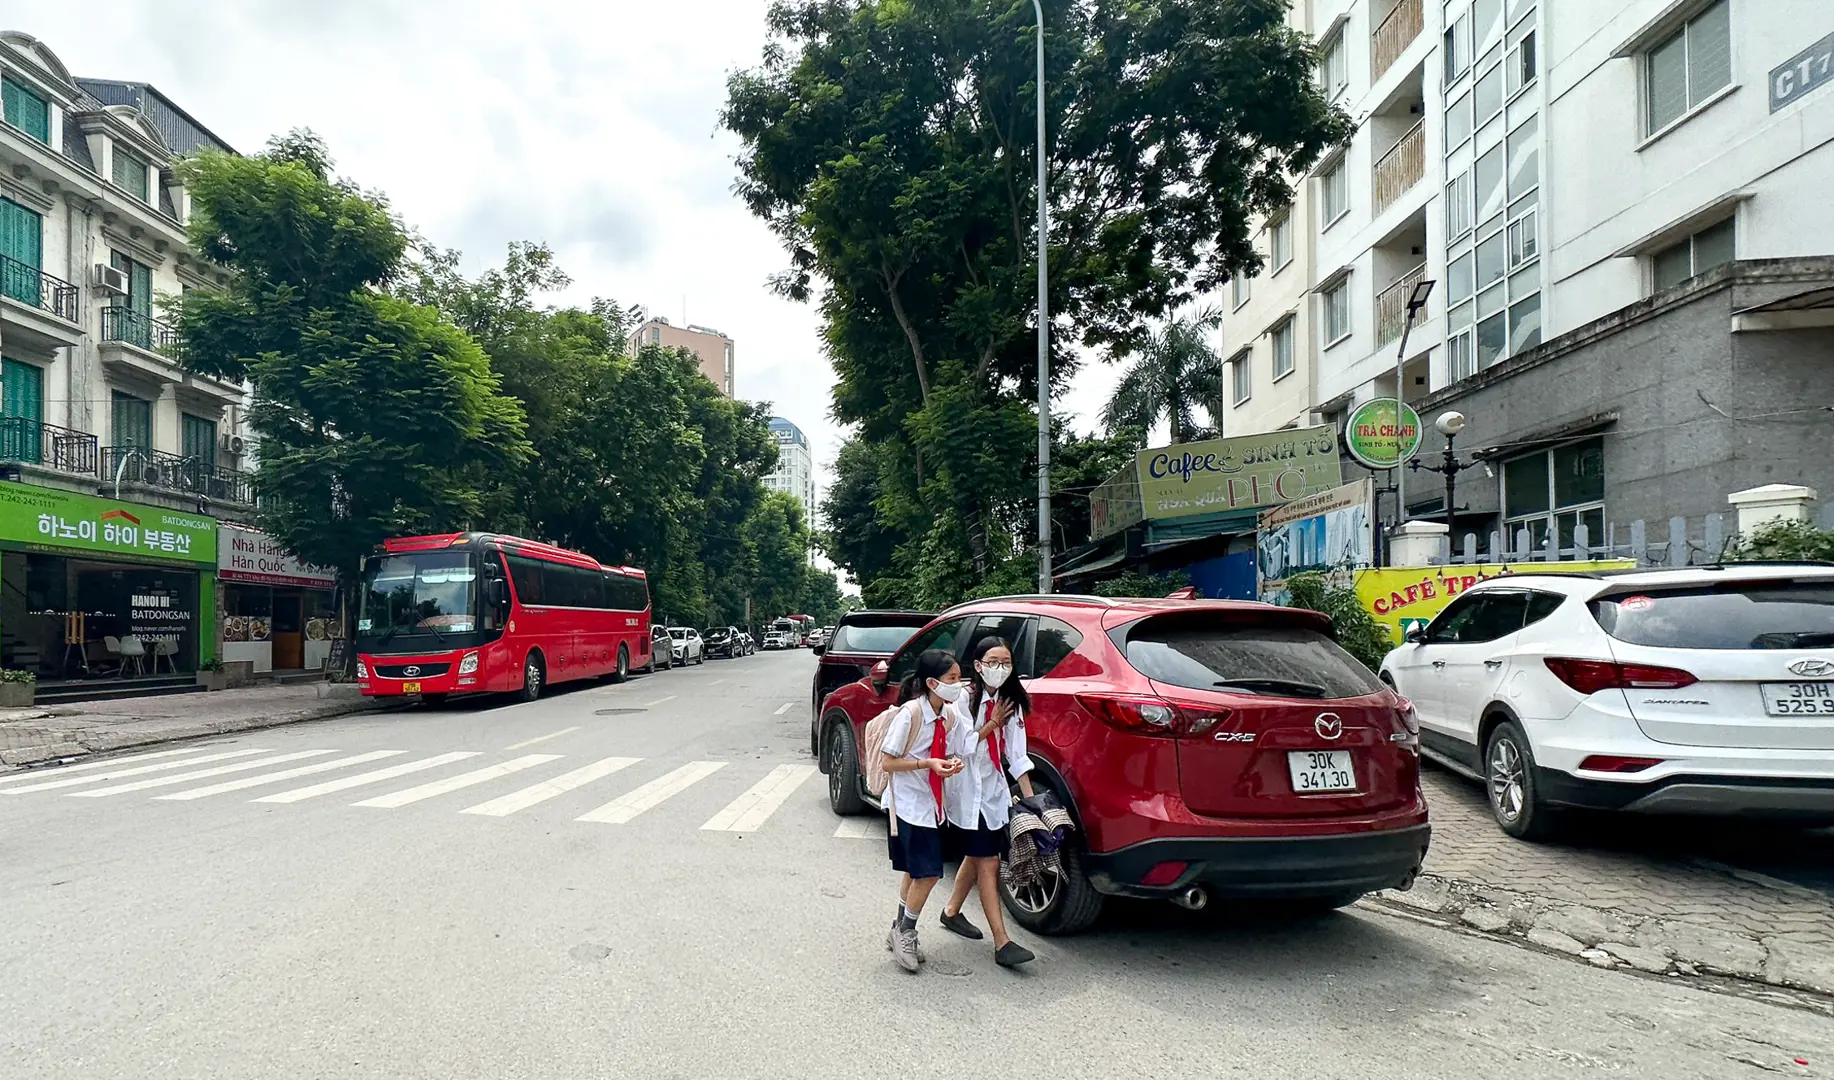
877, 779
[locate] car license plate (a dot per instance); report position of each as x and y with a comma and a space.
1799, 698
1321, 770
410, 688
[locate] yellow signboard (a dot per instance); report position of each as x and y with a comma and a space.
1209, 477
1403, 597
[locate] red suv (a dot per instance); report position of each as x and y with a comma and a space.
1204, 748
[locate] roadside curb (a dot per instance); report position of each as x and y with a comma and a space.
1614, 939
105, 740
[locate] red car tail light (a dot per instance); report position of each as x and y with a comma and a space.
1591, 676
1164, 873
1145, 715
1612, 763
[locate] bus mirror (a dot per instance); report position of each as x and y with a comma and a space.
499, 592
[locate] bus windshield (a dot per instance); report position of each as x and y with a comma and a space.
433, 591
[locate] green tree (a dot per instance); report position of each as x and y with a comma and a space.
889, 144
374, 415
1079, 465
1784, 541
821, 597
1178, 373
1357, 631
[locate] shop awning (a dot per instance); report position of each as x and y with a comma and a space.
1179, 530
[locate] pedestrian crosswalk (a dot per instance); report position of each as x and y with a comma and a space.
508, 785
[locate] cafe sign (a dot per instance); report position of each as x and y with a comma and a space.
68, 521
1382, 433
1249, 471
252, 556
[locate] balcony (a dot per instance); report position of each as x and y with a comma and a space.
188, 476
36, 289
1393, 35
32, 442
1391, 305
40, 311
142, 331
1401, 168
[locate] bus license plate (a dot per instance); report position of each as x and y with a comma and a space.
1799, 698
410, 688
1321, 770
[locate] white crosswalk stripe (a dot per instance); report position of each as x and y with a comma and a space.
548, 789
285, 774
454, 783
114, 774
861, 828
751, 810
184, 778
627, 806
91, 766
373, 776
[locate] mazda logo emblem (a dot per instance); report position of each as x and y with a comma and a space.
411, 670
1328, 725
1813, 669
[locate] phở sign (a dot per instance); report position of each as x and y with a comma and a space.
1240, 473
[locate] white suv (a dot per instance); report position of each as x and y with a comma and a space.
1707, 690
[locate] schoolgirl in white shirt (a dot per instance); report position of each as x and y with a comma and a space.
917, 758
987, 733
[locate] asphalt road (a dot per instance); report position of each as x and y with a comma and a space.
704, 919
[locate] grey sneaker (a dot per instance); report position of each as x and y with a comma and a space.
891, 943
905, 950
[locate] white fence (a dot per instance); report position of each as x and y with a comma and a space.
1677, 542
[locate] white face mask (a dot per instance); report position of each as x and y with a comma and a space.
995, 675
949, 691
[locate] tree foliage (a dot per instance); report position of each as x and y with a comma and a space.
1785, 541
1357, 631
890, 146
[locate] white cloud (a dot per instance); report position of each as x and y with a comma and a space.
593, 127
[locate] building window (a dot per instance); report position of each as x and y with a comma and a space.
133, 421
1458, 279
1522, 240
1525, 324
1552, 491
1458, 122
1487, 178
1710, 247
1333, 66
1337, 312
655, 335
1486, 18
1460, 360
1239, 288
1336, 185
25, 110
1458, 48
1488, 98
1522, 69
1458, 206
199, 440
1280, 240
1241, 376
130, 174
22, 411
1691, 66
1525, 158
21, 252
1283, 350
1492, 336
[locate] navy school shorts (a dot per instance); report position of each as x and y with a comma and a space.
916, 850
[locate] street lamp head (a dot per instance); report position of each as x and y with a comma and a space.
1422, 289
1449, 423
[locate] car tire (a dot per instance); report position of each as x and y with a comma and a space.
1510, 786
534, 675
433, 700
843, 768
622, 674
1070, 905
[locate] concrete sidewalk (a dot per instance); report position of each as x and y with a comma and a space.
29, 736
1660, 896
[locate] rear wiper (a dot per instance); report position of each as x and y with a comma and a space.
1276, 686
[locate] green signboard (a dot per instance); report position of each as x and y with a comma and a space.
51, 518
1237, 474
1382, 433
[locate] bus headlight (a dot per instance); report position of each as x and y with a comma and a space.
469, 665
362, 670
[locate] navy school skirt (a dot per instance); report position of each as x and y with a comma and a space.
980, 842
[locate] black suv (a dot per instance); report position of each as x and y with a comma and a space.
860, 640
721, 641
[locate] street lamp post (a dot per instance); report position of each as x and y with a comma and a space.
1448, 424
1416, 303
1044, 334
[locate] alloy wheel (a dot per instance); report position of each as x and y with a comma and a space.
1506, 778
1039, 897
837, 745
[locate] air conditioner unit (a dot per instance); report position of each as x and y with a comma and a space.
233, 445
111, 280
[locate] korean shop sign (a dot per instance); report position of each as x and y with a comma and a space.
1279, 467
1382, 433
47, 517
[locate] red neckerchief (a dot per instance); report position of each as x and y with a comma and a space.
939, 748
994, 747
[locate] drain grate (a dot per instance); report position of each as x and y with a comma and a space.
616, 712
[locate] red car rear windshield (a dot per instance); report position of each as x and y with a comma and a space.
1277, 661
871, 639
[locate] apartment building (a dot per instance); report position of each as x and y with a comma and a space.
795, 471
116, 461
712, 347
1616, 203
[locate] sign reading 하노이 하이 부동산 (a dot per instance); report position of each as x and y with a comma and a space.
65, 519
1238, 474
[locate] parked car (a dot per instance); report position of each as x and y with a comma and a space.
861, 640
721, 641
1203, 749
1707, 690
689, 649
776, 639
662, 649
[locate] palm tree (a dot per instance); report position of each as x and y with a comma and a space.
1179, 373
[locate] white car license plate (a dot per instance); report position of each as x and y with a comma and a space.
1321, 770
1799, 698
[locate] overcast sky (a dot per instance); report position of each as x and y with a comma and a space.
590, 126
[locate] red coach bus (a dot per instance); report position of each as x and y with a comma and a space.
481, 613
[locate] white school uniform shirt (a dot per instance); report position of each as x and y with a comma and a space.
980, 790
911, 797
